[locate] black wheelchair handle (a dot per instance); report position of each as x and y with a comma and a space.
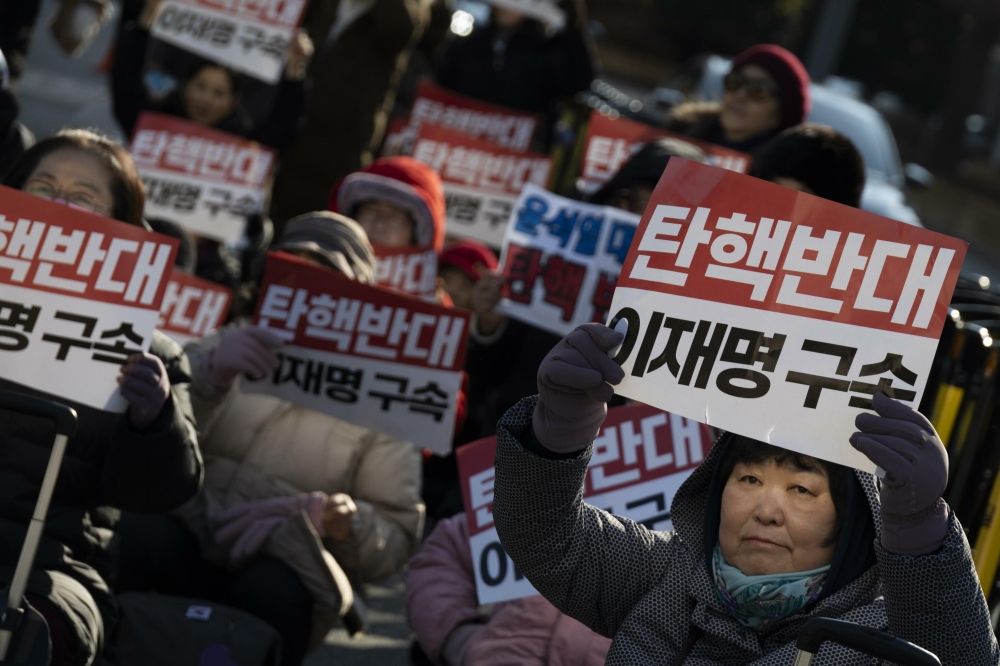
63, 416
866, 640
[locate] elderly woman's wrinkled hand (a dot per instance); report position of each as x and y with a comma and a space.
248, 350
901, 441
144, 383
574, 385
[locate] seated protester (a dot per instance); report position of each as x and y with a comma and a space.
443, 612
814, 159
766, 91
765, 538
268, 459
398, 201
633, 185
208, 93
146, 459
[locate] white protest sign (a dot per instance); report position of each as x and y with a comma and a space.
370, 357
205, 180
249, 36
192, 307
561, 259
481, 181
80, 294
545, 11
641, 457
776, 314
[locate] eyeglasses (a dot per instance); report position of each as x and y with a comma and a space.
756, 89
78, 200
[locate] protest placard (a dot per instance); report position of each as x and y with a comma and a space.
482, 181
641, 457
249, 36
203, 179
192, 307
407, 270
544, 11
561, 259
80, 294
362, 354
507, 128
798, 309
611, 142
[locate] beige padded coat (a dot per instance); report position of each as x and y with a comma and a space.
301, 450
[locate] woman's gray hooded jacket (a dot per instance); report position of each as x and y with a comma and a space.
646, 589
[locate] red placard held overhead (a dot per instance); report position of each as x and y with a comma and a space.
481, 180
249, 36
80, 293
205, 180
377, 359
611, 142
777, 314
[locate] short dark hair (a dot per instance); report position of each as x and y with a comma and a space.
818, 156
753, 452
235, 82
126, 186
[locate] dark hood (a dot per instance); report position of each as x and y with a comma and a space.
695, 515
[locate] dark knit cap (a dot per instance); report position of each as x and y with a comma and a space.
820, 157
338, 241
790, 75
646, 166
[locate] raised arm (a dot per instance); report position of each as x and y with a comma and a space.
932, 594
591, 565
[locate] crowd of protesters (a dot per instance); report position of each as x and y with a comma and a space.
195, 490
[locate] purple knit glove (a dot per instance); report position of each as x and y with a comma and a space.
246, 350
144, 383
574, 386
903, 442
247, 526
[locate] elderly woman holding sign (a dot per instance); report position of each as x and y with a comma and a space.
766, 538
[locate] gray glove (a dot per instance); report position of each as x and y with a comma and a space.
247, 350
144, 383
574, 386
903, 442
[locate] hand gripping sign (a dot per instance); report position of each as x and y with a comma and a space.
376, 359
482, 181
80, 293
507, 128
775, 314
641, 457
610, 143
561, 259
249, 36
192, 307
203, 179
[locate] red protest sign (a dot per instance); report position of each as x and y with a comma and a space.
192, 307
80, 293
368, 356
206, 180
507, 128
407, 270
610, 143
783, 302
481, 180
249, 36
641, 457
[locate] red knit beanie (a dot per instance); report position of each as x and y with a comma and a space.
467, 256
790, 75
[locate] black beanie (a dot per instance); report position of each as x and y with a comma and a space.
818, 156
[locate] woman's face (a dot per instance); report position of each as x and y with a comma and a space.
750, 104
385, 224
459, 286
777, 518
209, 97
73, 177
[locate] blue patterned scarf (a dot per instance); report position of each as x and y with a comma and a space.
755, 599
